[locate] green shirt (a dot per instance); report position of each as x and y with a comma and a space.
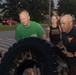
34, 30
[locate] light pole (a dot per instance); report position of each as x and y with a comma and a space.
49, 11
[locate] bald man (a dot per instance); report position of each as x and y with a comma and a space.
69, 41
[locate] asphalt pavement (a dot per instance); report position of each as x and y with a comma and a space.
7, 34
7, 39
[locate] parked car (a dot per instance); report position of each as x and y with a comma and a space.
9, 22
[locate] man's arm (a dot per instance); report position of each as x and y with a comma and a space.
67, 53
48, 34
44, 37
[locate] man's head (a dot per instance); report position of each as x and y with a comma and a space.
24, 18
66, 23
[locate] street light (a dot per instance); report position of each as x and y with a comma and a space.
49, 11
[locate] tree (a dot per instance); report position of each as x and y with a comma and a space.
37, 8
67, 7
52, 7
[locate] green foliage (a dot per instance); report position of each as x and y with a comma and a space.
37, 8
67, 7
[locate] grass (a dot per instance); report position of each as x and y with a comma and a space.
13, 27
7, 27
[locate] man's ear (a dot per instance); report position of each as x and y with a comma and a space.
29, 17
70, 22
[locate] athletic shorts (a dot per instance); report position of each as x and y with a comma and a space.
71, 62
31, 64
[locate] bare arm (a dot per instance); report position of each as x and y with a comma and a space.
60, 32
44, 37
47, 34
67, 53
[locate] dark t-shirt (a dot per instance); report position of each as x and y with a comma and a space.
69, 40
55, 35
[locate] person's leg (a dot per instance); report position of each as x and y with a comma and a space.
71, 65
37, 68
72, 70
38, 71
29, 71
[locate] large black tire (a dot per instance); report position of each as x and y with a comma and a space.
42, 52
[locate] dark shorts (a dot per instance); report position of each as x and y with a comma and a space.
31, 64
71, 62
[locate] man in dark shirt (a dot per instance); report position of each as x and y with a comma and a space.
69, 41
